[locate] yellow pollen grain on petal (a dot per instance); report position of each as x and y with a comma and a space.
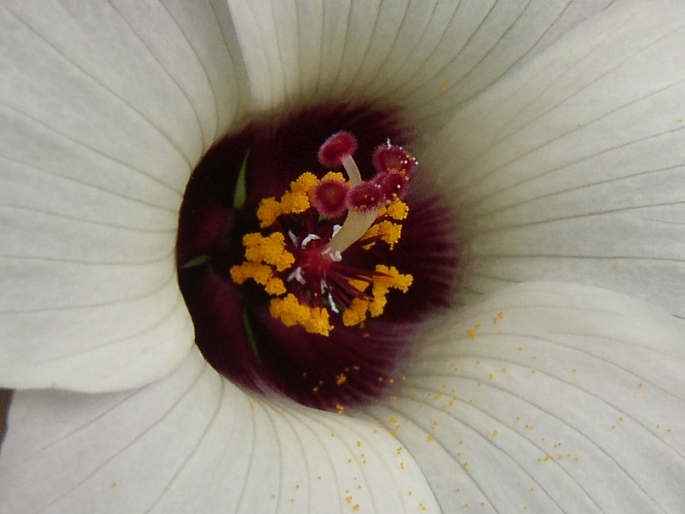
268, 211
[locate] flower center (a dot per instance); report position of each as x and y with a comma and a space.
305, 260
298, 257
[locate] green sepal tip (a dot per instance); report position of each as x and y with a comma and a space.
240, 194
249, 333
197, 261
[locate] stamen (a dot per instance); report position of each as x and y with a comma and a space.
300, 260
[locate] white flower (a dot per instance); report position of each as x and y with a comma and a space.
563, 151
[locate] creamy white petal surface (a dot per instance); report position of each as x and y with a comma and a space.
548, 398
105, 110
572, 169
193, 442
426, 56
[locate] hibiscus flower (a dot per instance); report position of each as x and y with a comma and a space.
552, 383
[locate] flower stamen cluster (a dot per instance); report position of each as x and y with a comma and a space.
298, 257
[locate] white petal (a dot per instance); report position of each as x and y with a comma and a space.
572, 169
428, 56
104, 111
549, 398
193, 442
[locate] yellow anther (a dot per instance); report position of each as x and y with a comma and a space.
355, 314
268, 249
288, 310
388, 276
397, 210
295, 202
291, 312
377, 305
304, 183
260, 273
275, 286
268, 211
334, 175
385, 279
389, 232
360, 285
318, 323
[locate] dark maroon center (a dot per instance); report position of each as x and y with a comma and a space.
233, 327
